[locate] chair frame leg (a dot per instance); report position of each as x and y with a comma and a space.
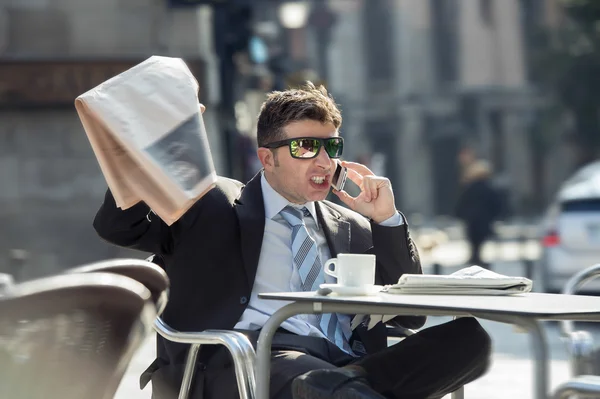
243, 360
190, 369
240, 348
459, 393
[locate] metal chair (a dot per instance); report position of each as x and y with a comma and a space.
147, 273
150, 274
71, 336
580, 345
583, 386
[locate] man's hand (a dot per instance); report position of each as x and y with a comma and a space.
376, 200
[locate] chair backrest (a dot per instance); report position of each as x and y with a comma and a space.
6, 282
584, 358
143, 271
71, 336
573, 285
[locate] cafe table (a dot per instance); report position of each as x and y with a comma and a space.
526, 310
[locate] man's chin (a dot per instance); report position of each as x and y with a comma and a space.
320, 196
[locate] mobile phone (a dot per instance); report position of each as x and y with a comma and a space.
339, 177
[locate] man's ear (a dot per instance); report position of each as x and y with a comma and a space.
266, 157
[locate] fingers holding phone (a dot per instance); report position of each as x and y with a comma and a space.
376, 199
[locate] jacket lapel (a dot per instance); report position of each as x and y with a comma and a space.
250, 210
337, 231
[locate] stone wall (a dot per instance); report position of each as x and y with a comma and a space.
51, 189
50, 182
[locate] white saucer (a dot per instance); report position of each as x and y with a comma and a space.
352, 291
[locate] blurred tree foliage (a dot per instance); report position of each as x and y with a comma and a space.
566, 62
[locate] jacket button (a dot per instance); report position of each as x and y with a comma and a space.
243, 300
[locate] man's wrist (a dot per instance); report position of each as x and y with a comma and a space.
381, 219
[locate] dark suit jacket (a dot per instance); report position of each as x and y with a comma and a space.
211, 255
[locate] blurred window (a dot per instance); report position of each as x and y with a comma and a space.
444, 16
379, 47
532, 14
498, 141
582, 205
486, 11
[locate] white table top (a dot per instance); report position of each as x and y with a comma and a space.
533, 305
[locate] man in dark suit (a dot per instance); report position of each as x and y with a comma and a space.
238, 241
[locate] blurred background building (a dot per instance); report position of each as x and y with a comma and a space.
416, 80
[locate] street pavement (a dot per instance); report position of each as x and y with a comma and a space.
511, 372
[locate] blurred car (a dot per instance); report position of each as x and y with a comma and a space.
571, 231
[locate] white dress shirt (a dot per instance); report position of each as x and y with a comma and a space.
276, 271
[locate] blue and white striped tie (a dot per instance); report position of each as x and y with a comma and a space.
310, 269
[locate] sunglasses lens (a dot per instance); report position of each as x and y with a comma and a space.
304, 148
334, 147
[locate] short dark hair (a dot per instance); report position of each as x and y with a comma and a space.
284, 107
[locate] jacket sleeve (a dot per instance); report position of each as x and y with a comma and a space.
396, 252
136, 227
396, 255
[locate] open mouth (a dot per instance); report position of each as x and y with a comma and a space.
320, 180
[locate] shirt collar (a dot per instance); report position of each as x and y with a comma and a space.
275, 202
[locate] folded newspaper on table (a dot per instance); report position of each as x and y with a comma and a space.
146, 129
473, 280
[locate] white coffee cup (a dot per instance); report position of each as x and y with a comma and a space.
352, 270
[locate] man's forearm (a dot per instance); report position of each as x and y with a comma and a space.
128, 227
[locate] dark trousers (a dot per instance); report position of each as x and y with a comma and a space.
430, 364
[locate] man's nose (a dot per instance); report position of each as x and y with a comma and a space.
323, 160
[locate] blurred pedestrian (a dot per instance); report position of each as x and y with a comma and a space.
479, 204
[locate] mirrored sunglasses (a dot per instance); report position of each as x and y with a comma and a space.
309, 147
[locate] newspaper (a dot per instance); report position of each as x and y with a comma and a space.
473, 280
146, 129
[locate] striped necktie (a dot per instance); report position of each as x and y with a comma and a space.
309, 266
